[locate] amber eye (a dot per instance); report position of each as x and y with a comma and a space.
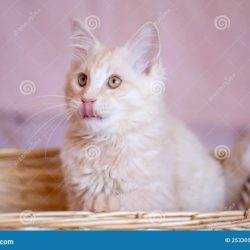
114, 82
82, 79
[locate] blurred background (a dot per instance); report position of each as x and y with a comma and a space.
205, 48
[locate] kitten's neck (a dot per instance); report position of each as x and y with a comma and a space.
140, 133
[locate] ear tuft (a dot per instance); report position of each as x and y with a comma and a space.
82, 40
144, 48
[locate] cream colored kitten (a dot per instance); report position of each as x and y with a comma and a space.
123, 150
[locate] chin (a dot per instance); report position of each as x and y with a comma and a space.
95, 125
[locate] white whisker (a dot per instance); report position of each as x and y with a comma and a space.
66, 118
47, 122
30, 119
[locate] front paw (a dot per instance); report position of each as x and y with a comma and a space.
105, 203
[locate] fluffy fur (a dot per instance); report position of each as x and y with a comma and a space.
137, 157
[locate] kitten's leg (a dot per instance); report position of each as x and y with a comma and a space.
140, 200
102, 203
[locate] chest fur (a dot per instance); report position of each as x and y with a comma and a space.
109, 167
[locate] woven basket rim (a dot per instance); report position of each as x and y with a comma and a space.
141, 220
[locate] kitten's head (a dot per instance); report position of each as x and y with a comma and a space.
112, 89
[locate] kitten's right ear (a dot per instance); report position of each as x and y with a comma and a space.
82, 40
143, 49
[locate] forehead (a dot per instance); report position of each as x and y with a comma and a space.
104, 63
103, 60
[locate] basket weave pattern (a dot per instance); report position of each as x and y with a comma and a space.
31, 179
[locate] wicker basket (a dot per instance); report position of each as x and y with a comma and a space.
32, 197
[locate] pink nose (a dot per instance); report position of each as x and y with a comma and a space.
88, 108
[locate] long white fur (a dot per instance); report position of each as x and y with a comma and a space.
138, 157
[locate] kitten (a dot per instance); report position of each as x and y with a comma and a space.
123, 150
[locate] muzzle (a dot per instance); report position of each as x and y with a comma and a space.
87, 109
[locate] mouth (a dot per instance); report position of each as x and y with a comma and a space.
87, 112
92, 117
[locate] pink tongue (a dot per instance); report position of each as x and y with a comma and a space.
88, 110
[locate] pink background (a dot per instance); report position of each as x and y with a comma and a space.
207, 65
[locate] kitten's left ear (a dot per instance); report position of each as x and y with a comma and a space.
143, 49
82, 40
